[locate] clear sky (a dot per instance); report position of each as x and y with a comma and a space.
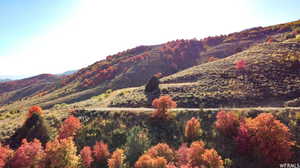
53, 36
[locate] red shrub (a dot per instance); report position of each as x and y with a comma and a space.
162, 104
29, 154
117, 159
270, 139
5, 155
182, 155
192, 129
195, 154
162, 150
34, 110
86, 155
212, 159
242, 140
240, 65
101, 152
227, 123
69, 127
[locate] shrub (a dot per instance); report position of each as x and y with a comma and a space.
146, 161
5, 155
29, 154
34, 110
69, 127
162, 104
227, 123
240, 65
87, 156
101, 153
162, 150
196, 151
192, 129
212, 159
61, 153
182, 155
137, 142
270, 139
117, 159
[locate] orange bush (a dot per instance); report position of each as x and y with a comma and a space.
162, 150
146, 161
195, 154
5, 155
101, 152
62, 153
212, 159
34, 110
117, 159
192, 129
86, 156
69, 127
270, 138
227, 123
162, 104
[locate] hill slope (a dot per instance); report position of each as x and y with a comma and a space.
271, 77
134, 67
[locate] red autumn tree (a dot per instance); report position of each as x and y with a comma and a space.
117, 159
162, 150
29, 154
69, 127
5, 155
87, 156
195, 154
212, 159
240, 65
101, 153
34, 110
270, 139
162, 104
192, 129
227, 123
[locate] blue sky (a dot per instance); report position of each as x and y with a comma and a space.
53, 36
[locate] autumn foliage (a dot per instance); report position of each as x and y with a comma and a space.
146, 161
29, 154
192, 129
101, 152
61, 153
87, 156
34, 110
69, 127
161, 150
269, 138
117, 159
227, 123
240, 65
5, 155
162, 104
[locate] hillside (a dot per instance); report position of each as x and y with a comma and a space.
134, 67
11, 91
270, 78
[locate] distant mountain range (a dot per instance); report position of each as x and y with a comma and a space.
4, 80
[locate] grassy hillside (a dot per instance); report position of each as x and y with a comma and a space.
271, 77
134, 67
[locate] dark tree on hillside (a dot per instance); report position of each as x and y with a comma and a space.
152, 89
34, 127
